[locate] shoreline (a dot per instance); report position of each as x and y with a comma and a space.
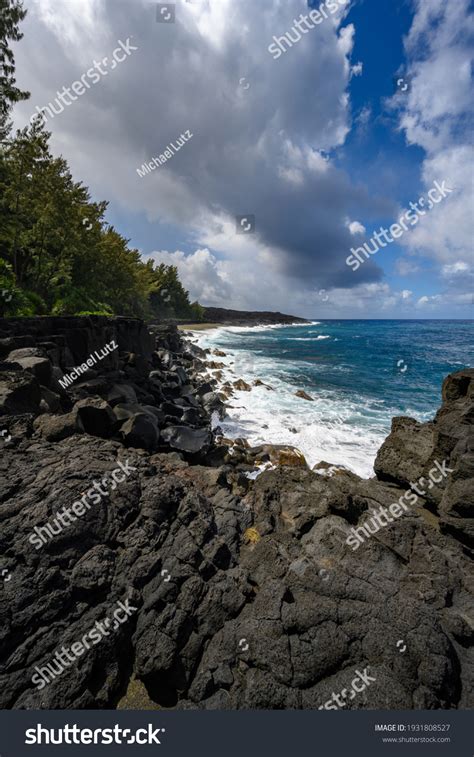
231, 547
197, 326
260, 411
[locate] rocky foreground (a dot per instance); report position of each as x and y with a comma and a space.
245, 593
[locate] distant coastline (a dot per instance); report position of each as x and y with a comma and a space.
214, 317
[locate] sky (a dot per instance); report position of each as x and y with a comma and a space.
291, 154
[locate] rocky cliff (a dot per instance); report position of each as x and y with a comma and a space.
245, 594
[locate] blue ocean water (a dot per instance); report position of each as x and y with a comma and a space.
359, 374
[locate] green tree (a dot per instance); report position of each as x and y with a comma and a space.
11, 13
168, 298
57, 253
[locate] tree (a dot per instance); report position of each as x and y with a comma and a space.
168, 298
11, 13
57, 253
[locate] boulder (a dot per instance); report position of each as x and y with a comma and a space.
186, 439
141, 431
96, 416
192, 417
24, 352
204, 388
169, 408
278, 454
53, 428
242, 386
126, 410
19, 393
50, 400
33, 359
406, 452
258, 382
180, 373
212, 402
303, 395
121, 393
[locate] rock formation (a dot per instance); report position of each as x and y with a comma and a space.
246, 592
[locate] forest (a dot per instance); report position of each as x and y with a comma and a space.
58, 254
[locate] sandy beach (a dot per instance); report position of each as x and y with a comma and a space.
198, 326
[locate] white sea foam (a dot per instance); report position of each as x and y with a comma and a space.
308, 338
334, 427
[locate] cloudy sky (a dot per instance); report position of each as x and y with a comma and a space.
322, 145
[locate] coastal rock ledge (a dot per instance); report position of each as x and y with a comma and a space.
245, 593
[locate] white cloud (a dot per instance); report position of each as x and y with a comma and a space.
263, 149
405, 267
356, 228
451, 270
200, 273
438, 118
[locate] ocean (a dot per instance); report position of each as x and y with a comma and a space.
359, 374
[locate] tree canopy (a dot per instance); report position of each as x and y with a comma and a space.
58, 255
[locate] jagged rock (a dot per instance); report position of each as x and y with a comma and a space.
54, 428
208, 558
414, 451
94, 571
242, 386
406, 452
303, 395
15, 428
24, 352
39, 366
33, 359
212, 402
278, 454
258, 382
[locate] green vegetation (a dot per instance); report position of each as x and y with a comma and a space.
11, 13
57, 253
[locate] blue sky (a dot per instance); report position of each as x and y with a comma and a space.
318, 145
